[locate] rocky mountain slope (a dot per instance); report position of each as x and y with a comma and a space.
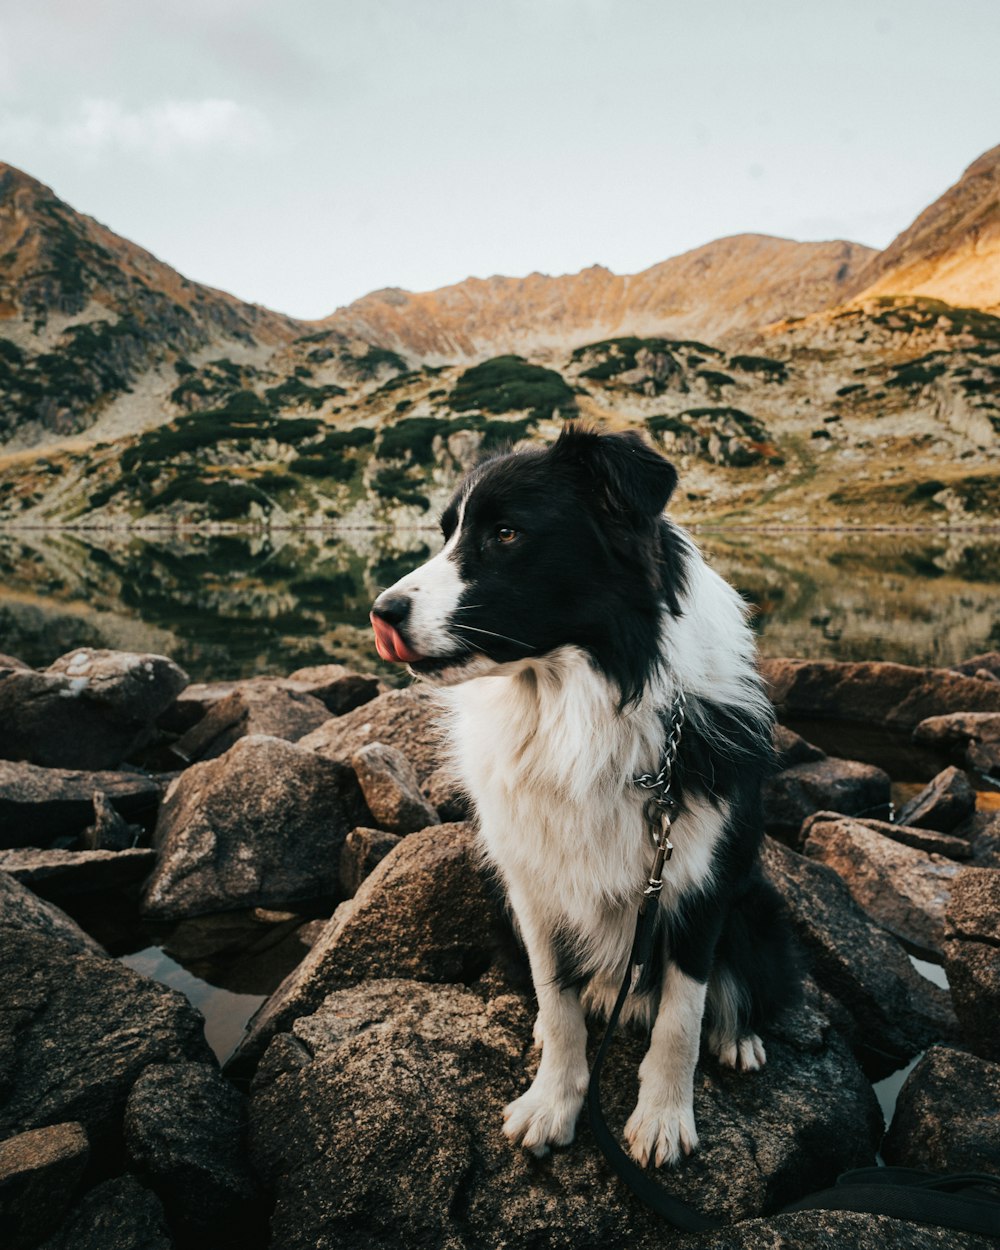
822, 390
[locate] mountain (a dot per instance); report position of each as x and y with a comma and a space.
84, 314
732, 285
952, 251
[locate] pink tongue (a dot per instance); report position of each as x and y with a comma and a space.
389, 642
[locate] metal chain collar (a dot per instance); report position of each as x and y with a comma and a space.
660, 806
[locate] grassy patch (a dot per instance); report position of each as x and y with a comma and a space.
511, 384
396, 486
771, 370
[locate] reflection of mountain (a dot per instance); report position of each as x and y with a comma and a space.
227, 607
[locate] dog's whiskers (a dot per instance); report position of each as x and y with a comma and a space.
518, 642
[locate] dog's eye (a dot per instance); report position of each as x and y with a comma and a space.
505, 534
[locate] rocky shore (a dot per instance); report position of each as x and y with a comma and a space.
362, 1106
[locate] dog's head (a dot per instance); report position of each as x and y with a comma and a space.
544, 548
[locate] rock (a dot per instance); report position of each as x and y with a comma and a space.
972, 957
40, 804
77, 1030
21, 909
338, 688
982, 832
988, 662
251, 709
984, 758
378, 1123
406, 719
957, 730
262, 826
894, 1013
904, 889
363, 849
833, 1230
427, 912
822, 785
945, 803
947, 1114
109, 832
184, 1137
118, 1215
791, 748
61, 875
11, 662
90, 709
893, 696
391, 789
947, 844
444, 792
39, 1172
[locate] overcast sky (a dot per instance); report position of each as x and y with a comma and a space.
304, 152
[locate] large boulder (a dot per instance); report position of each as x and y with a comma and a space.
426, 912
22, 910
822, 785
833, 1230
947, 844
39, 1173
38, 805
60, 875
90, 709
972, 957
409, 720
944, 803
269, 709
76, 1031
184, 1135
262, 826
893, 1012
362, 852
904, 889
791, 748
892, 696
119, 1214
378, 1123
955, 731
947, 1115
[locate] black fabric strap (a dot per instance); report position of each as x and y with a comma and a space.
966, 1202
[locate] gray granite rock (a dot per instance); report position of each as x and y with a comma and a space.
88, 710
61, 875
894, 1013
270, 709
944, 803
947, 844
972, 957
76, 1030
406, 719
426, 912
362, 852
847, 786
947, 1115
110, 831
38, 805
119, 1214
184, 1136
378, 1121
22, 910
39, 1173
904, 889
391, 789
262, 826
834, 1230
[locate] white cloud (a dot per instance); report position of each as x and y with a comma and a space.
170, 127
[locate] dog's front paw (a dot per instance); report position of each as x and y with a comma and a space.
540, 1119
660, 1132
746, 1055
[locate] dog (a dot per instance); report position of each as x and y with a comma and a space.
560, 619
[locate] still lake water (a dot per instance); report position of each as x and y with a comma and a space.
235, 606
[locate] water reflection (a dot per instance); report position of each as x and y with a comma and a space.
231, 606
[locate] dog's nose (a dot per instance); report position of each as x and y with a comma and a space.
392, 608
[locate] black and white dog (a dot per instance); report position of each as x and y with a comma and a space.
563, 614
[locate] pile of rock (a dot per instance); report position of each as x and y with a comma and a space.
362, 1107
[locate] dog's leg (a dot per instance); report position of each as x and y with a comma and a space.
545, 1115
662, 1125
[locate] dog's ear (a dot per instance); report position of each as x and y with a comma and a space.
633, 477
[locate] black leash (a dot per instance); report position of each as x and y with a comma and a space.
963, 1201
